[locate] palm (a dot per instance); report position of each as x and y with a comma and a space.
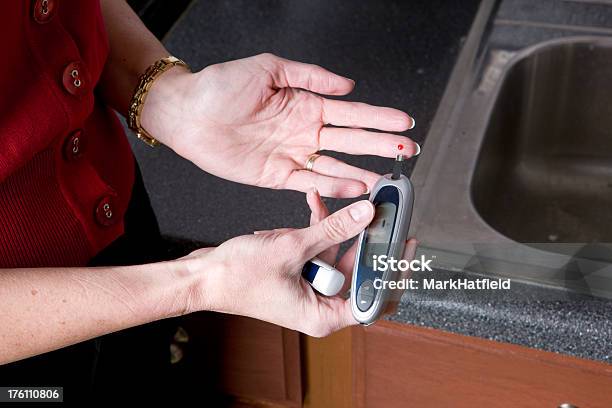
269, 138
254, 125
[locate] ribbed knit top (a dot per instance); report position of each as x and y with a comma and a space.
66, 168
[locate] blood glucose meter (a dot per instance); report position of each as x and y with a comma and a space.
393, 197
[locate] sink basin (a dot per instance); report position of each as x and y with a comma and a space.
516, 177
544, 171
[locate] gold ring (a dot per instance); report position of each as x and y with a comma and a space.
311, 160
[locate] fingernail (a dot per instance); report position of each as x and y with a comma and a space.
360, 211
417, 149
413, 123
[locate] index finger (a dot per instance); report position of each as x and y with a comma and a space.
318, 213
310, 77
362, 115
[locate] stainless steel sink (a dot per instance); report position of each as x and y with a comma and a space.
544, 171
515, 179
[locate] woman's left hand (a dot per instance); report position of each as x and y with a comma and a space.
257, 121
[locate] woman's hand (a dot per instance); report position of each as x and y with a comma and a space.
259, 275
257, 120
346, 263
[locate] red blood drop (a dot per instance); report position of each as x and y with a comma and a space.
400, 147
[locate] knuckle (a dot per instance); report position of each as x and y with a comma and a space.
311, 82
284, 241
307, 327
317, 330
211, 71
290, 243
326, 331
351, 113
266, 56
335, 228
330, 82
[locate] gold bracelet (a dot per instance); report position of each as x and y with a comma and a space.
140, 95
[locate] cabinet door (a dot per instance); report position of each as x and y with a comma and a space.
238, 361
327, 367
398, 365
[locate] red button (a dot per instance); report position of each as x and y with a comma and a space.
74, 145
44, 10
75, 78
105, 211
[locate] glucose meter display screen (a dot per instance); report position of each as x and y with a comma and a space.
379, 232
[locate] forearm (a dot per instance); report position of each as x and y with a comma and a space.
133, 48
46, 309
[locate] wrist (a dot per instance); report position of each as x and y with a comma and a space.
163, 110
182, 289
198, 271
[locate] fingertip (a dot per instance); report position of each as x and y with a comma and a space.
411, 248
311, 193
317, 207
405, 122
370, 184
349, 319
412, 242
330, 83
361, 189
352, 83
348, 188
343, 86
349, 81
361, 211
310, 196
370, 179
413, 123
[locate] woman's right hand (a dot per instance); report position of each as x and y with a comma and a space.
259, 275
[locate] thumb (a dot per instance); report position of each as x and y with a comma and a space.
338, 227
307, 76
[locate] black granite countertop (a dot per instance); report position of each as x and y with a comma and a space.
400, 54
526, 314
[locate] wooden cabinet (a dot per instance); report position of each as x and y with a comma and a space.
233, 361
396, 365
251, 363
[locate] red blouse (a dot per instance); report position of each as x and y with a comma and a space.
66, 168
